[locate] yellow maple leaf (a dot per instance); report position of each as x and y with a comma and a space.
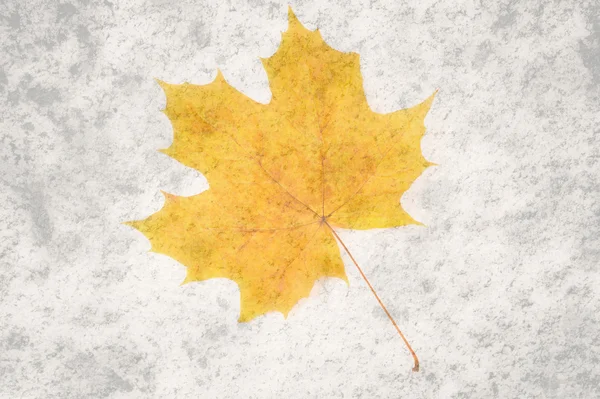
284, 175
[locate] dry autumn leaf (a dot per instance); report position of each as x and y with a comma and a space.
283, 176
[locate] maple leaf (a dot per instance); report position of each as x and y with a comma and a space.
283, 176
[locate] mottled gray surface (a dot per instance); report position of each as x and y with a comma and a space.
499, 294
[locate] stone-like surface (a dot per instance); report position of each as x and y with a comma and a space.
499, 294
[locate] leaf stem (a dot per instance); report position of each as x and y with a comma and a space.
410, 349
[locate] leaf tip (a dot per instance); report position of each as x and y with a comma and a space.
136, 224
130, 223
165, 151
163, 85
291, 15
408, 219
415, 222
426, 105
219, 77
345, 279
293, 21
244, 318
168, 197
188, 279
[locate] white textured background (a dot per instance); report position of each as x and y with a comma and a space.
499, 294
